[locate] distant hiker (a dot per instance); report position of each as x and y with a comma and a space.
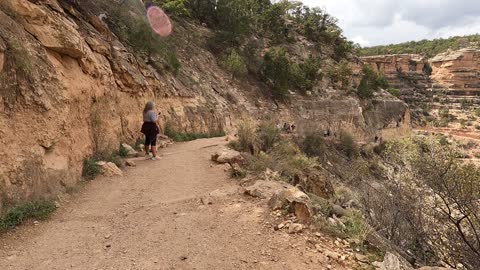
292, 127
286, 127
150, 129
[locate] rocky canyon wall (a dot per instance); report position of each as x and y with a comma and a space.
69, 88
452, 72
403, 71
457, 71
67, 91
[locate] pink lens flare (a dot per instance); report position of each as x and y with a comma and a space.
159, 21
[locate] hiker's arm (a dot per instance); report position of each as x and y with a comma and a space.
157, 122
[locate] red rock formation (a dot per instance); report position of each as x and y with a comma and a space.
457, 71
403, 71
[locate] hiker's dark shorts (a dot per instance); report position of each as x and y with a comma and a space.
151, 131
151, 139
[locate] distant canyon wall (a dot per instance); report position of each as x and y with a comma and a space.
453, 72
457, 71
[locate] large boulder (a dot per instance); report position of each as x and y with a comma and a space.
315, 182
130, 150
109, 169
293, 200
392, 262
265, 189
283, 196
227, 156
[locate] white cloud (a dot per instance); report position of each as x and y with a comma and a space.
360, 40
373, 22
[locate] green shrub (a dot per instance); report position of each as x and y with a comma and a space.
246, 136
273, 22
122, 151
340, 72
185, 137
289, 160
90, 168
136, 31
394, 92
234, 63
276, 71
267, 136
477, 112
237, 173
347, 144
311, 67
260, 162
371, 82
444, 113
235, 145
31, 210
427, 69
298, 78
189, 136
464, 104
356, 227
285, 158
313, 145
443, 140
175, 7
321, 204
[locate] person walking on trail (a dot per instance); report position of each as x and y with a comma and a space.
150, 129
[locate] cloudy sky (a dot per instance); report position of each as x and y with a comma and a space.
376, 22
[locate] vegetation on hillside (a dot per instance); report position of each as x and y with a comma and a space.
39, 210
250, 37
237, 23
436, 203
413, 193
371, 81
429, 48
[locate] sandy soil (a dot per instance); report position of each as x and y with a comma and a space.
154, 218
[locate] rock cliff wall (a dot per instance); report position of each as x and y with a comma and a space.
406, 72
457, 71
452, 72
69, 88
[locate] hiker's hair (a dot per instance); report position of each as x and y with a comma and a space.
149, 107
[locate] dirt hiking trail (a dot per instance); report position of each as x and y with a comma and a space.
154, 217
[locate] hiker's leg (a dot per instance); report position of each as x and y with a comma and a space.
147, 149
154, 147
147, 144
